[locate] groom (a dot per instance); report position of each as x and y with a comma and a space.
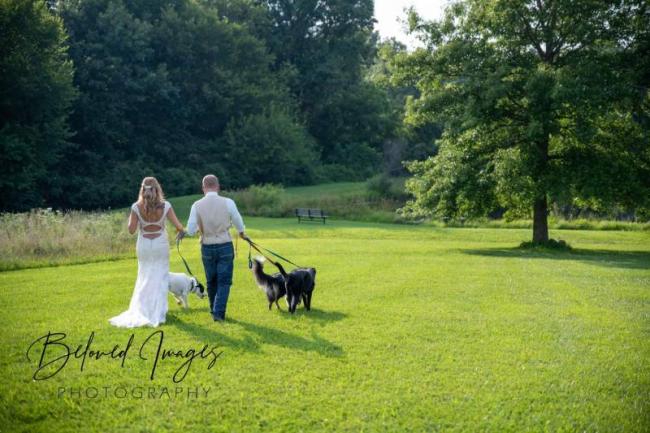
213, 215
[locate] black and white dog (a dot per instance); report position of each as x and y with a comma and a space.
181, 285
273, 285
299, 284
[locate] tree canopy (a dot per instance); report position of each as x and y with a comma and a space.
36, 93
161, 85
255, 91
542, 101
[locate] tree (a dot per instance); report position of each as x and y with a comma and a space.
409, 141
541, 101
36, 92
270, 147
328, 44
160, 84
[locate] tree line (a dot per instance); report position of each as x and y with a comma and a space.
97, 94
510, 107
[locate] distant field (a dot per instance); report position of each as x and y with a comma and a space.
302, 194
353, 201
414, 329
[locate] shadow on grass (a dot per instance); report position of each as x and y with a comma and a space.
209, 333
257, 335
316, 315
189, 311
278, 337
609, 258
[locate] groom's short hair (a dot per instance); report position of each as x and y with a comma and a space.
210, 181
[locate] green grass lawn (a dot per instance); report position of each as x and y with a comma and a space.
413, 329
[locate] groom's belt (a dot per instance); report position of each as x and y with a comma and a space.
221, 238
217, 245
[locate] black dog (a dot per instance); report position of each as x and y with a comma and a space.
299, 284
273, 285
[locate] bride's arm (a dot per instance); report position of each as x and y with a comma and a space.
133, 222
171, 215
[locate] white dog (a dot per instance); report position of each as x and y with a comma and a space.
181, 285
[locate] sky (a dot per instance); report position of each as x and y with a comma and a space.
389, 12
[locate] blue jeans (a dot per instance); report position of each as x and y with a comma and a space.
218, 265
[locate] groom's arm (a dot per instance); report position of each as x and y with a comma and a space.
192, 224
236, 218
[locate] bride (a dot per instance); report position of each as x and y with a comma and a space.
148, 305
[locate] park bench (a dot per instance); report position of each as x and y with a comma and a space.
310, 214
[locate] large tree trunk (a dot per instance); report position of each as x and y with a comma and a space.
540, 220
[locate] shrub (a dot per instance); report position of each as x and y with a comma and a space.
260, 200
270, 147
385, 186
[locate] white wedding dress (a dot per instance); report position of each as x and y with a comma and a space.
148, 305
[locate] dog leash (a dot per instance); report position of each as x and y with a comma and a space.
259, 249
189, 271
250, 259
251, 244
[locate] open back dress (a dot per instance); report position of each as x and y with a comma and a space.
148, 305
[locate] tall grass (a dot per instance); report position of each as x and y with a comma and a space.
273, 201
43, 237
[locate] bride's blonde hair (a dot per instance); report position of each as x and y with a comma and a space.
151, 196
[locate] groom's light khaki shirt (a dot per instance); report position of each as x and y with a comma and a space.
213, 215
